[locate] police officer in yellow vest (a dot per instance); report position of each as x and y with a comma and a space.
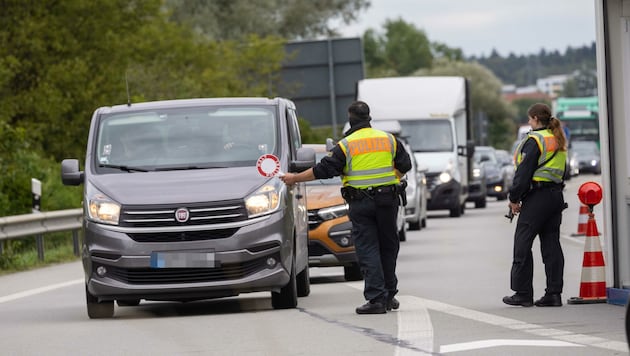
370, 163
536, 194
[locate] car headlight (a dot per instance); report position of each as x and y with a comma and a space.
100, 207
265, 200
476, 172
333, 212
445, 177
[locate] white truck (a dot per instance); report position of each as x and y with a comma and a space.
435, 116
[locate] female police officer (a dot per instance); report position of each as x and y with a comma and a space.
370, 162
536, 194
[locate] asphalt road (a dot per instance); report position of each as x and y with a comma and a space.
452, 275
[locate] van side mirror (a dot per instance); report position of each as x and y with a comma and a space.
305, 159
70, 174
468, 150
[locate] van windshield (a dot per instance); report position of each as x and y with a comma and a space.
428, 135
186, 137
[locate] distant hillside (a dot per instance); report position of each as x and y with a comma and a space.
523, 70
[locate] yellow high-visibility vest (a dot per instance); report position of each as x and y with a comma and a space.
369, 159
553, 169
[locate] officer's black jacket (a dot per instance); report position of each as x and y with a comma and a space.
333, 164
525, 170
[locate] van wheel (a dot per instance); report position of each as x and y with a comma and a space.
415, 225
424, 222
287, 297
304, 283
352, 272
455, 212
481, 203
96, 309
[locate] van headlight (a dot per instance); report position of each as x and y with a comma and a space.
333, 212
476, 172
100, 208
264, 201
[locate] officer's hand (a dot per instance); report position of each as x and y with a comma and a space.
516, 208
288, 178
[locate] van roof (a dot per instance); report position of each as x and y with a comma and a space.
194, 102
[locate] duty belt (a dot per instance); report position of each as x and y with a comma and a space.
351, 193
541, 185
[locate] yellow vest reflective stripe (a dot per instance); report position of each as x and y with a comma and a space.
369, 159
553, 169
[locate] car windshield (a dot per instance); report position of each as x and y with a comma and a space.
585, 147
428, 135
186, 138
485, 155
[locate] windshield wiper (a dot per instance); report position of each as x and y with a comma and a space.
123, 168
183, 168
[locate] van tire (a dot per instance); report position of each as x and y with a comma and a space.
352, 272
480, 203
96, 309
128, 302
456, 212
415, 225
304, 283
287, 297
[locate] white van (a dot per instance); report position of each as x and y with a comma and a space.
434, 114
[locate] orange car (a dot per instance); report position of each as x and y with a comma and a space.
329, 229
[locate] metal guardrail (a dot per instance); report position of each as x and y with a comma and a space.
38, 224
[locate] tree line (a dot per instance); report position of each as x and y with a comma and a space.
60, 60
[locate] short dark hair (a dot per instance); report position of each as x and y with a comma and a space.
359, 110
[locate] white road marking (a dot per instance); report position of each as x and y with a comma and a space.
31, 292
482, 344
416, 308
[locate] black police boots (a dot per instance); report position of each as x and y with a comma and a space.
549, 300
519, 299
393, 304
372, 308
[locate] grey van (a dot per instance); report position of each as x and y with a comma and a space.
176, 209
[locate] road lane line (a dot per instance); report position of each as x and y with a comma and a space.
414, 326
483, 344
31, 292
572, 339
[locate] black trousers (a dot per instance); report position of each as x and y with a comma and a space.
541, 214
376, 242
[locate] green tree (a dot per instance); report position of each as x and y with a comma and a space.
235, 19
486, 97
400, 51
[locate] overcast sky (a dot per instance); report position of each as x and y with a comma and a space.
478, 26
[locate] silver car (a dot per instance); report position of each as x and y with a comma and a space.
178, 206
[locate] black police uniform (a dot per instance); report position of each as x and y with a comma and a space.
373, 214
541, 214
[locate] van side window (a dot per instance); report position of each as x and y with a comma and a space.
294, 131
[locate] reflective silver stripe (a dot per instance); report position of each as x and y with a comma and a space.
373, 181
541, 139
370, 171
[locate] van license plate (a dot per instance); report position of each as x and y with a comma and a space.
183, 260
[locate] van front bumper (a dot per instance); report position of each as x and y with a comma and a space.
257, 257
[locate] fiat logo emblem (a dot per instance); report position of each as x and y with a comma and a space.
182, 215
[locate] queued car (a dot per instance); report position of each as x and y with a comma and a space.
497, 180
330, 242
507, 165
477, 188
587, 155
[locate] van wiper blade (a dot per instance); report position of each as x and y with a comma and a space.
184, 168
123, 168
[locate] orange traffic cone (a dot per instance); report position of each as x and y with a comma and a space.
593, 282
582, 221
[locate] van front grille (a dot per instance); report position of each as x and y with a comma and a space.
224, 272
177, 236
198, 214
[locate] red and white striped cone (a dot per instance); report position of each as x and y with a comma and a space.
582, 221
593, 282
